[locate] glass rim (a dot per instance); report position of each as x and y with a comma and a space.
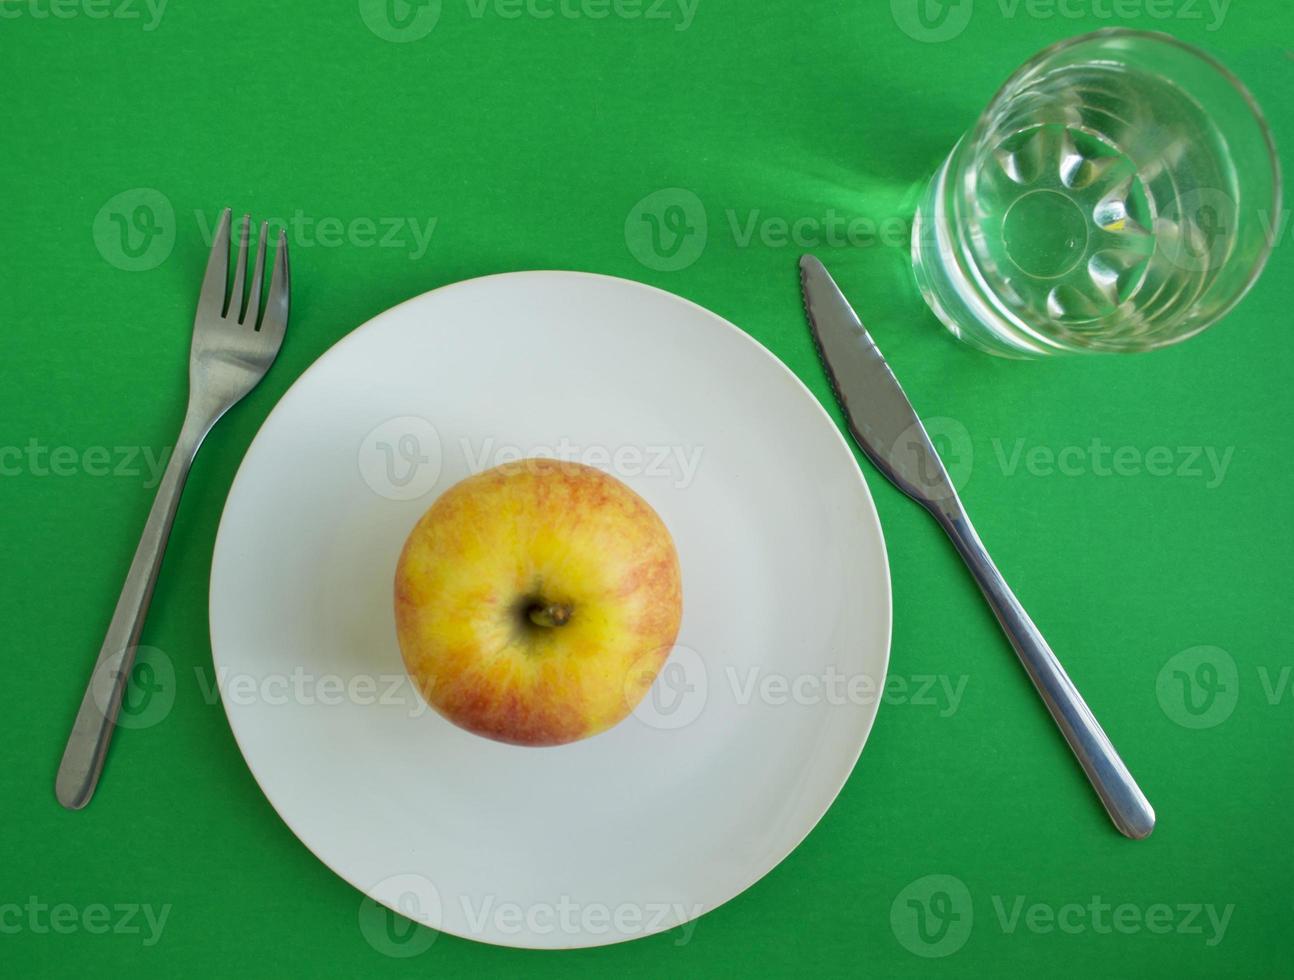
985, 120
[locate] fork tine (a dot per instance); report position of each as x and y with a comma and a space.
212, 296
234, 308
279, 300
258, 277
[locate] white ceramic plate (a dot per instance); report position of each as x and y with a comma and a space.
749, 733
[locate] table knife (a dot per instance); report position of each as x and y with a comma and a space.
891, 435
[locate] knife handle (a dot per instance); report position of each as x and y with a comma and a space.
1119, 792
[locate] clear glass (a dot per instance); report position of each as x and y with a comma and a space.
1120, 193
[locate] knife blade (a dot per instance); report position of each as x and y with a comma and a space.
892, 436
880, 417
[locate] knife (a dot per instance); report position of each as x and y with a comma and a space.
889, 432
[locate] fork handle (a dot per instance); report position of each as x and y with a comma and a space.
1122, 797
87, 746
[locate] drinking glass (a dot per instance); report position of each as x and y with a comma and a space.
1120, 193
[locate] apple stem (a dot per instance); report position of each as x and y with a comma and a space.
550, 615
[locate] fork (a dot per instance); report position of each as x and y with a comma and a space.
234, 343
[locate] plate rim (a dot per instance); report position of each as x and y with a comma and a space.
373, 322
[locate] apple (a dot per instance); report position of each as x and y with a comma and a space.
536, 602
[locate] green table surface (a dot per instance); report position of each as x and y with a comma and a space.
1138, 504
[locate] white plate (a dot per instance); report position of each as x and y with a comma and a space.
751, 730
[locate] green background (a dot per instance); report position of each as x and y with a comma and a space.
531, 140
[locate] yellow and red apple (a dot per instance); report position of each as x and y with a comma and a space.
536, 602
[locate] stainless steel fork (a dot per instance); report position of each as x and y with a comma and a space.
234, 343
